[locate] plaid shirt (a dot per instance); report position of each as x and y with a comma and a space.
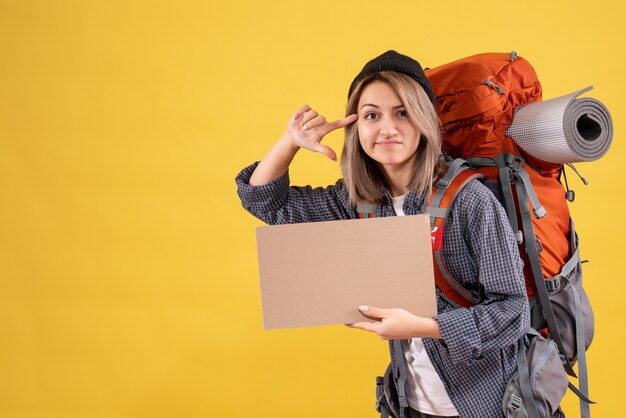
477, 354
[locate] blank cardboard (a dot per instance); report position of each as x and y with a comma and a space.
319, 273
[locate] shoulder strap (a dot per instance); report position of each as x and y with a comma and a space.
442, 197
365, 210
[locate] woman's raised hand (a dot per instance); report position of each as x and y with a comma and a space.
307, 128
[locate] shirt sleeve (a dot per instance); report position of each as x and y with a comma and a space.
279, 203
502, 316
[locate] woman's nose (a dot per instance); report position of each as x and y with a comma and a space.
388, 127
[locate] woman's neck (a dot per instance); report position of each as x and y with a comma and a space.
398, 179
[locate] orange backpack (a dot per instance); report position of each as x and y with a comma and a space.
476, 99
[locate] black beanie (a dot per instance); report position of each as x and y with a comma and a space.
393, 61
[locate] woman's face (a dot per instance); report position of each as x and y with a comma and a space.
386, 133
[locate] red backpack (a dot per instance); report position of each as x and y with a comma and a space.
476, 100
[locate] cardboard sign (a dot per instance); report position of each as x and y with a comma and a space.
319, 273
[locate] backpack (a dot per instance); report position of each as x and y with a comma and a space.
476, 101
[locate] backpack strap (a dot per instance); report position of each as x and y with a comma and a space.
365, 210
524, 377
535, 264
398, 353
562, 279
382, 405
442, 197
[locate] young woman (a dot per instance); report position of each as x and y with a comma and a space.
458, 362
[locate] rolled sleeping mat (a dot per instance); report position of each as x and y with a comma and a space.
564, 129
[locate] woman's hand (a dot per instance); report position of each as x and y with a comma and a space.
397, 324
307, 128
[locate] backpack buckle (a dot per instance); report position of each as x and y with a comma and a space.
515, 403
443, 184
553, 283
513, 162
538, 245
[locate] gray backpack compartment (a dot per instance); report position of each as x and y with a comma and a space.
572, 309
537, 388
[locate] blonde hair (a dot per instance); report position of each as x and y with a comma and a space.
362, 175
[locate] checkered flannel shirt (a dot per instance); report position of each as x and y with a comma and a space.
477, 354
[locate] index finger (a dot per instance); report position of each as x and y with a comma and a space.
365, 326
342, 122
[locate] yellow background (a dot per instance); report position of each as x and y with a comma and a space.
128, 277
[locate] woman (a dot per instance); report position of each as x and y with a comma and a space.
459, 362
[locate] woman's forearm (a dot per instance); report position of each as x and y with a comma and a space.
276, 161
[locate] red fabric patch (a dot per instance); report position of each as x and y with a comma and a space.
436, 236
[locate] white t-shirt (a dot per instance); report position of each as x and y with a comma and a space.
425, 390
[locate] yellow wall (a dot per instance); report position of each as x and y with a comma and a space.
128, 278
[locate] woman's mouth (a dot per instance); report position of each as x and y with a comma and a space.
390, 142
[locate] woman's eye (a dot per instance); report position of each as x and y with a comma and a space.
370, 116
403, 114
